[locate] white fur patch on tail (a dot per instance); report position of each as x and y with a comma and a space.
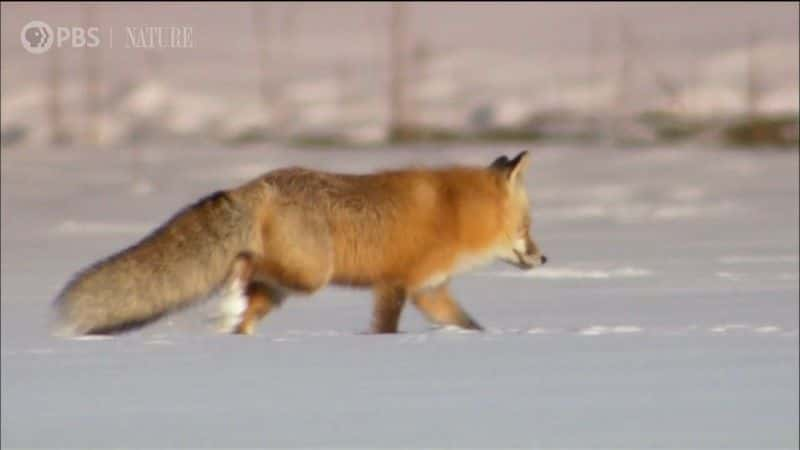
232, 306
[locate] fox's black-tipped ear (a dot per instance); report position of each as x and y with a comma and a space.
499, 163
513, 169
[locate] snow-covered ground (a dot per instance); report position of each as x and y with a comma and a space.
667, 317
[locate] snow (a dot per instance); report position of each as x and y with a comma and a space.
562, 273
644, 329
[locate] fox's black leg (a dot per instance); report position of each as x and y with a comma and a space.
389, 301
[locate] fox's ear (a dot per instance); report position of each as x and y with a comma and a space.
499, 163
513, 169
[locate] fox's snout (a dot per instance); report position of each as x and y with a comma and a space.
525, 255
532, 256
529, 261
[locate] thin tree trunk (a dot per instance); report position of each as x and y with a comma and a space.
753, 82
283, 107
260, 16
92, 88
55, 112
624, 80
398, 119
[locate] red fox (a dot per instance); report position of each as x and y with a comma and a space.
404, 233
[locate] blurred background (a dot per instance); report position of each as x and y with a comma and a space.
361, 74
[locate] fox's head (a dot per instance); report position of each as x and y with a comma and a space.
517, 248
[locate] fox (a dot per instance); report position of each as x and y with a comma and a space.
404, 233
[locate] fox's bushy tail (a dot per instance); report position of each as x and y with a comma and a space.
181, 261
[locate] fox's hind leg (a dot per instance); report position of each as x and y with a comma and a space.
245, 300
297, 258
242, 300
440, 307
260, 284
261, 299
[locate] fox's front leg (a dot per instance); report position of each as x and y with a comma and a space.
389, 301
440, 307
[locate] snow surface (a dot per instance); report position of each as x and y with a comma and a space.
667, 315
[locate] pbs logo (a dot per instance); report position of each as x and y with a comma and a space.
37, 37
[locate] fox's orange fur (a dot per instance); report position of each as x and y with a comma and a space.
403, 232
